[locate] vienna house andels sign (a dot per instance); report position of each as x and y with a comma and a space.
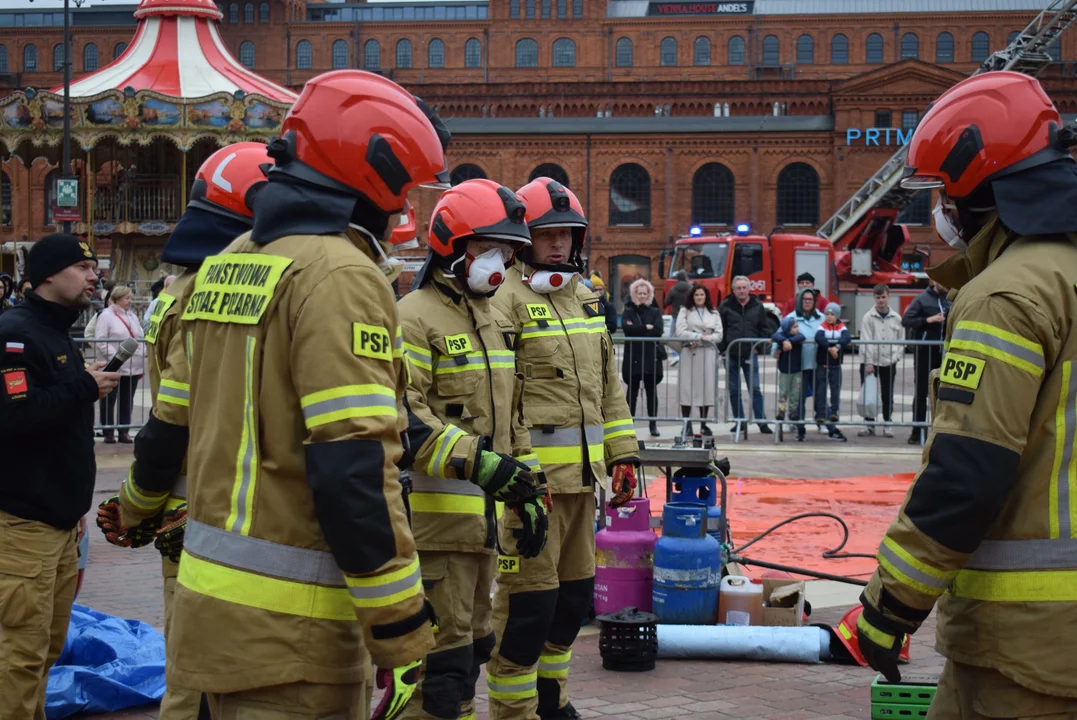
700, 8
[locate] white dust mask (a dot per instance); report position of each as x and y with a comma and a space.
947, 228
486, 272
548, 281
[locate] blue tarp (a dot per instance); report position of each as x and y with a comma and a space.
108, 664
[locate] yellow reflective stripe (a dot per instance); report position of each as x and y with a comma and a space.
567, 455
531, 461
445, 503
398, 343
348, 401
419, 356
141, 500
910, 571
554, 666
1017, 586
174, 392
242, 502
266, 593
618, 428
388, 589
1062, 493
1000, 344
877, 636
443, 449
844, 631
513, 687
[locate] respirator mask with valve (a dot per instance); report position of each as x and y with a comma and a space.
483, 273
548, 281
390, 266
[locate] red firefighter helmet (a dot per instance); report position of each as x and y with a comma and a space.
985, 127
405, 232
230, 178
552, 205
847, 635
362, 134
476, 208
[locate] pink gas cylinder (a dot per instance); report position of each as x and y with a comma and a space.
624, 558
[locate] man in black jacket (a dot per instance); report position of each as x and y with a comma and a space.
925, 319
743, 316
46, 438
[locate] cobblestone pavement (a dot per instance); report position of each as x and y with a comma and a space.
128, 583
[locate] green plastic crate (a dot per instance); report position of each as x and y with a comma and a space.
897, 711
912, 690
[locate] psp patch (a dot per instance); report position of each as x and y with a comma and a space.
508, 564
538, 311
15, 383
962, 370
372, 341
458, 344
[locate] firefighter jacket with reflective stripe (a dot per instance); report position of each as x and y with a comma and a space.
574, 407
990, 524
461, 387
296, 523
170, 391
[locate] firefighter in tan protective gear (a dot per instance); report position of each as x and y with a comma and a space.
463, 412
296, 524
580, 430
989, 527
153, 499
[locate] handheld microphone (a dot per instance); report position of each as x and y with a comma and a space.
127, 348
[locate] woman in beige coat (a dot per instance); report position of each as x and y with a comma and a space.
699, 321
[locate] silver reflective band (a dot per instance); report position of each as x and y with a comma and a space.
173, 392
347, 402
452, 362
375, 592
425, 483
999, 344
1062, 477
496, 687
553, 667
566, 437
179, 488
1024, 555
919, 576
261, 556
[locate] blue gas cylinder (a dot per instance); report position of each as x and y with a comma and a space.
687, 567
689, 486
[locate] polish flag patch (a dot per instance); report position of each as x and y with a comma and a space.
14, 347
15, 382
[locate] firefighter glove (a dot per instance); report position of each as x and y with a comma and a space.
169, 540
108, 519
399, 685
531, 538
880, 647
504, 477
623, 485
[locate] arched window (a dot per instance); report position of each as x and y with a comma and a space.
3, 59
712, 195
873, 49
1012, 36
805, 50
944, 48
577, 9
630, 196
701, 51
514, 9
50, 195
526, 53
910, 46
263, 12
918, 211
5, 192
467, 171
233, 13
340, 54
372, 55
403, 53
58, 57
839, 50
981, 47
29, 58
546, 9
564, 53
473, 53
624, 52
735, 53
304, 55
771, 50
248, 13
798, 195
562, 9
668, 52
119, 49
89, 58
552, 171
246, 54
529, 7
435, 54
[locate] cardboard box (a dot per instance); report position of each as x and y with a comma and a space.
791, 602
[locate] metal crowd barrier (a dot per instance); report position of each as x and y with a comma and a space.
94, 349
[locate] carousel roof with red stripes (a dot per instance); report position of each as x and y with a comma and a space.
178, 51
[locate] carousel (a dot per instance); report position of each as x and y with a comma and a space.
142, 125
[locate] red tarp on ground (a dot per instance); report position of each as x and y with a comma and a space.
867, 504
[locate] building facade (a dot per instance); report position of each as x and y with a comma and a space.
659, 115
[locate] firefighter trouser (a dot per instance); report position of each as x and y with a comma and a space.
295, 701
538, 609
38, 574
966, 692
176, 704
458, 585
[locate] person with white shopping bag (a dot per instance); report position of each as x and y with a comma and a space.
879, 361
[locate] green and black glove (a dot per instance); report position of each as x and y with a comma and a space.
880, 643
504, 477
169, 540
399, 685
531, 538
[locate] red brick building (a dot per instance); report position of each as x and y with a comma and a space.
659, 114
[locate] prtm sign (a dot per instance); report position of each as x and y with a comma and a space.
879, 137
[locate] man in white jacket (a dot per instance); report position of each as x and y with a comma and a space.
881, 324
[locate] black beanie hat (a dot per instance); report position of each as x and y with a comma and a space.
54, 253
806, 276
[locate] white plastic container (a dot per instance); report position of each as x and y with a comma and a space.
740, 601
